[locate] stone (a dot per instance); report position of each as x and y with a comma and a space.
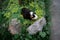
14, 26
36, 26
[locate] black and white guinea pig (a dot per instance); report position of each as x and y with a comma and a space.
28, 14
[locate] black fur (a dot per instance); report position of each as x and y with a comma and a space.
26, 13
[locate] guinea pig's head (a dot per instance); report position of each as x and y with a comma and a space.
33, 15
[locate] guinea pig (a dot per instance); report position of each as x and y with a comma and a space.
28, 14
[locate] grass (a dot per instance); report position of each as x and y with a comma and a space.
13, 10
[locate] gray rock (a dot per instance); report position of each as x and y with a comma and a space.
14, 26
36, 26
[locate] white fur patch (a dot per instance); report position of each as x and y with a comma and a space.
35, 16
31, 13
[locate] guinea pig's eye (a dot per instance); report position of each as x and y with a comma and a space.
33, 15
